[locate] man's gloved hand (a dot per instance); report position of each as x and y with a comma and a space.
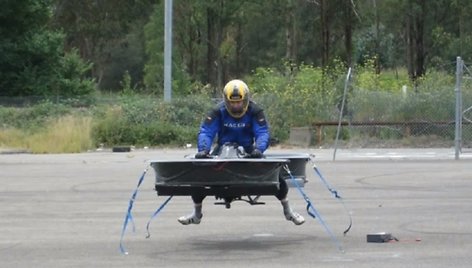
256, 153
202, 154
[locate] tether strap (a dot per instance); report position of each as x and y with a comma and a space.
129, 216
314, 213
155, 214
336, 195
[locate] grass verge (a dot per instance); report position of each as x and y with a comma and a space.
67, 134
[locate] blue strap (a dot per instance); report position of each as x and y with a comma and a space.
129, 216
336, 195
155, 214
313, 212
333, 191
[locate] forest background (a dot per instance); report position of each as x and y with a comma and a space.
75, 75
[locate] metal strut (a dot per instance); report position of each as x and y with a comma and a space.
250, 200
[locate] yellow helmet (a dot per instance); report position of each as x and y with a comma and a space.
236, 95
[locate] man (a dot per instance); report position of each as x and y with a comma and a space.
237, 120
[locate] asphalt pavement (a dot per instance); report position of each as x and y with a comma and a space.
68, 210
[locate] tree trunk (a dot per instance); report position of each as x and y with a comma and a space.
239, 48
348, 21
415, 38
215, 28
377, 38
419, 39
325, 33
409, 43
290, 32
218, 40
211, 42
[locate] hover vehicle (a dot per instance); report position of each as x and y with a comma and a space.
231, 176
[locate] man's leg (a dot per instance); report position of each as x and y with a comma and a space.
290, 215
196, 215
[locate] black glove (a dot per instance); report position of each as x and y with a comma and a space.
256, 153
202, 154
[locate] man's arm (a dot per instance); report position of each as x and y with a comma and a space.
208, 130
261, 130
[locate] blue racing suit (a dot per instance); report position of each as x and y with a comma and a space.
250, 131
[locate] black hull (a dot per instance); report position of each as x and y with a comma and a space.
219, 177
229, 177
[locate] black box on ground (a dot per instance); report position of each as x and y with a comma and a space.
121, 149
379, 237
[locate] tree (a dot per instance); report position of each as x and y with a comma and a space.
108, 33
33, 61
216, 40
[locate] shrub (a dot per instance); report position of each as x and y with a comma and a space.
292, 97
146, 120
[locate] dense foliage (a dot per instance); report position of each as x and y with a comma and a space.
217, 40
288, 100
33, 60
294, 55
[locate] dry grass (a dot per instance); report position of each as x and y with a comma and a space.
12, 139
68, 134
